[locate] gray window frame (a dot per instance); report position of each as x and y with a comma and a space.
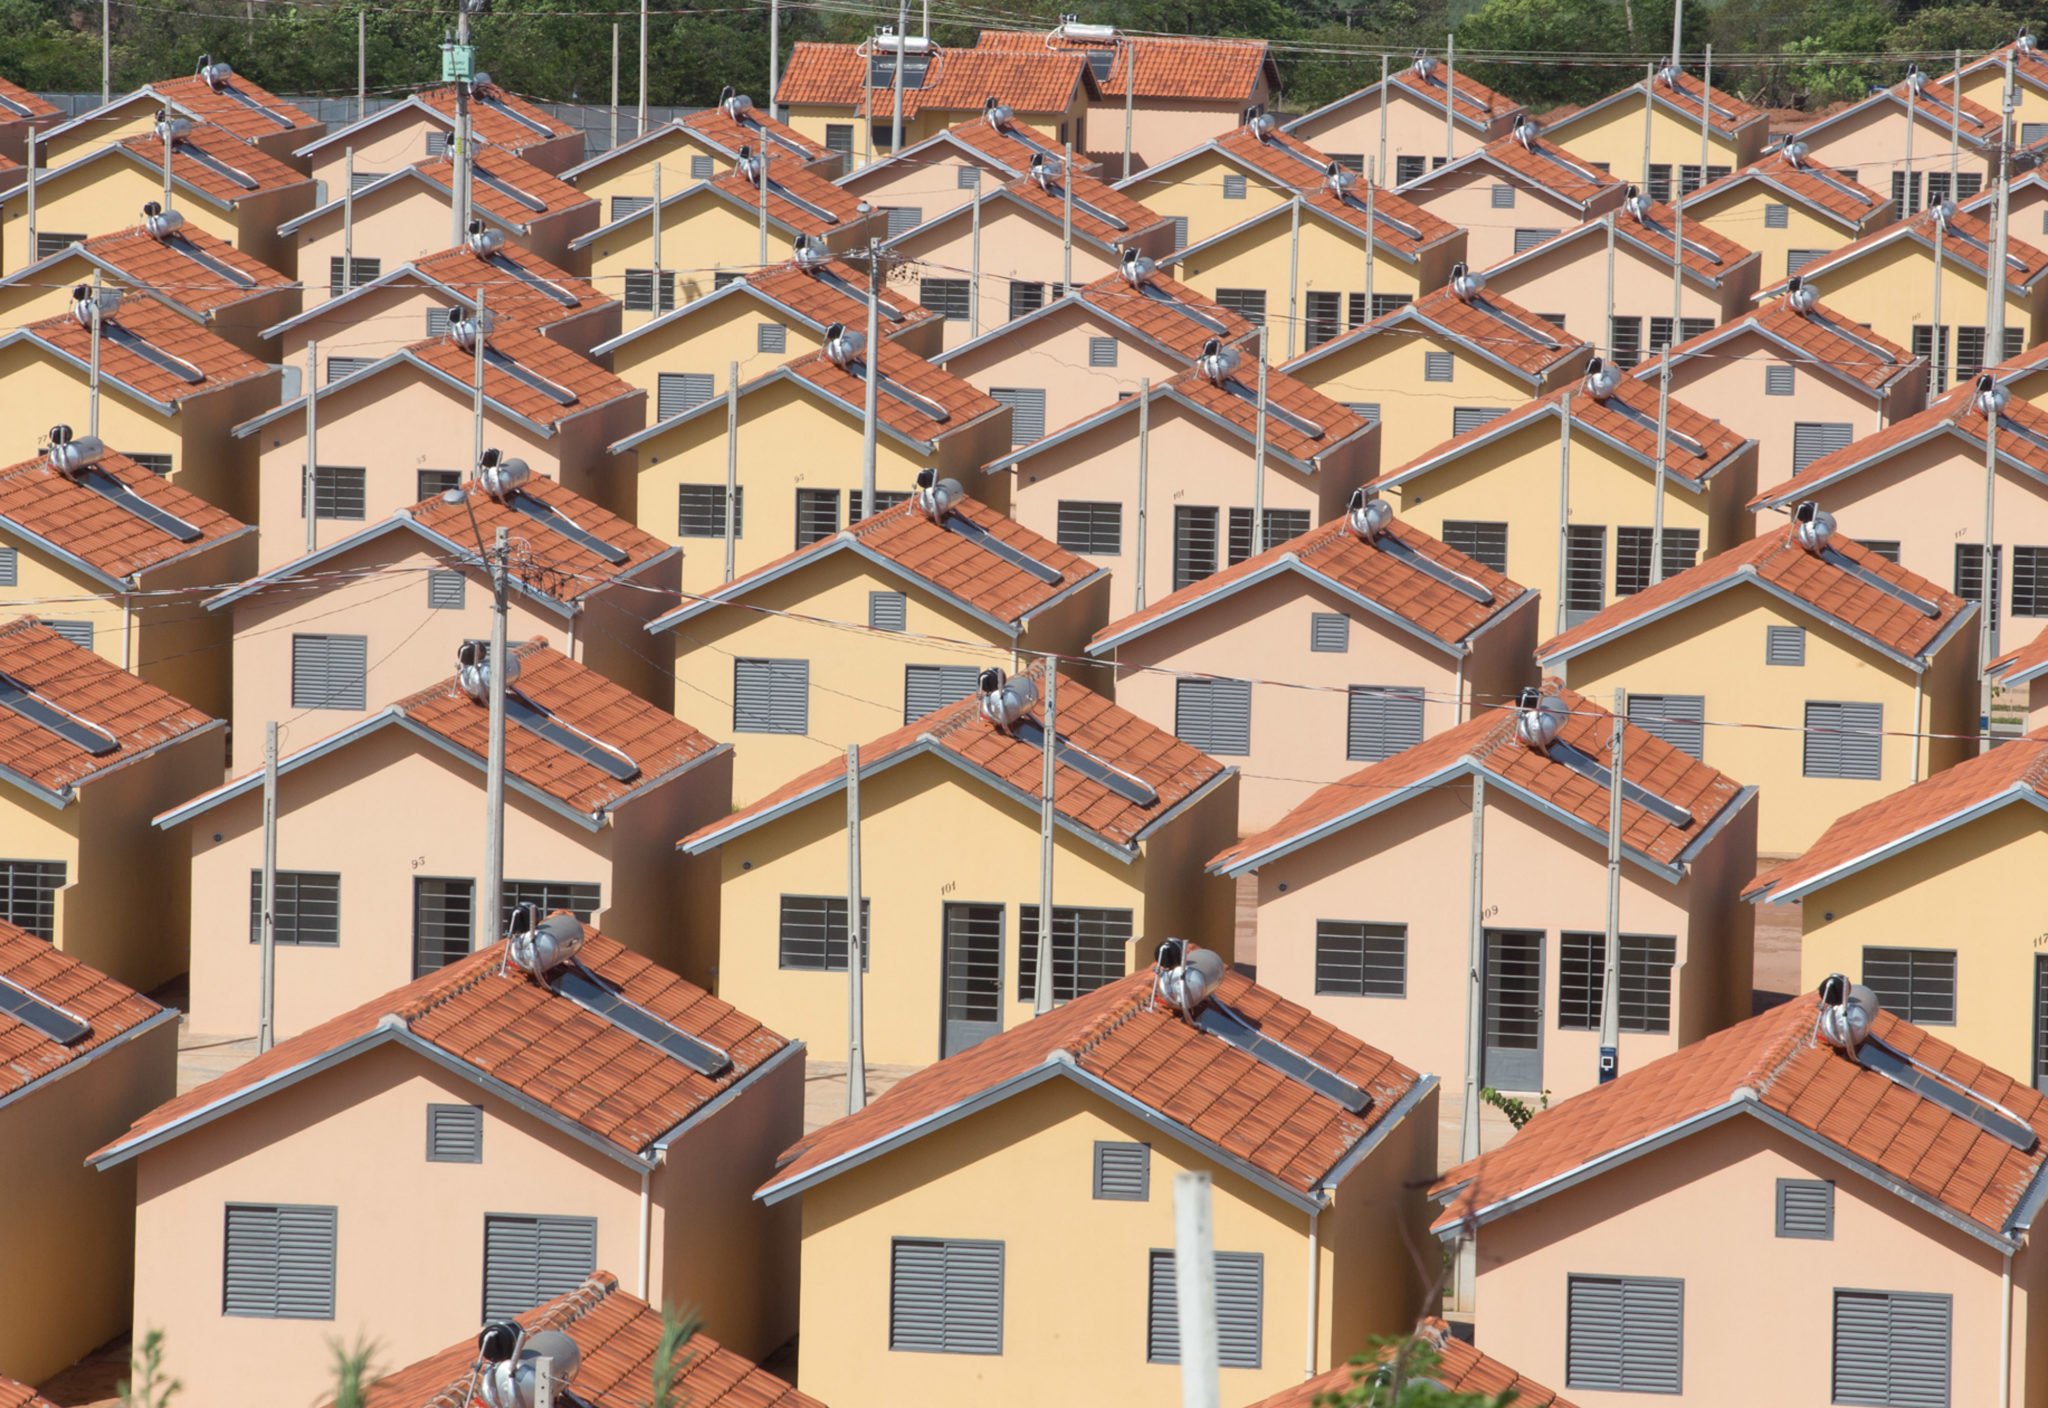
544, 1292
1922, 1009
888, 611
1646, 1007
1083, 525
1823, 752
829, 917
942, 684
1329, 633
446, 1122
689, 515
1628, 1360
313, 1237
352, 694
950, 299
947, 1344
289, 884
1224, 738
1114, 1180
1239, 1346
28, 895
1391, 939
1785, 646
1890, 1340
1799, 1223
777, 719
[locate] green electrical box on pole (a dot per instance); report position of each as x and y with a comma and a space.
458, 61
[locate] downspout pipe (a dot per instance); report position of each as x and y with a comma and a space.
646, 1225
1313, 1304
2004, 1326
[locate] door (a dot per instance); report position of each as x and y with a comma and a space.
974, 976
1513, 1057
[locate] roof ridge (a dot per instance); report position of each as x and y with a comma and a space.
1795, 1042
1101, 1029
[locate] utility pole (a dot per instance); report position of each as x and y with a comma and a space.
1655, 571
30, 176
106, 52
459, 71
266, 1019
1130, 96
1144, 486
1067, 222
871, 357
1937, 362
902, 38
732, 463
1258, 451
1293, 277
1371, 233
856, 949
362, 64
1994, 348
312, 444
1041, 987
494, 765
615, 87
1450, 98
93, 373
1610, 967
640, 125
1194, 1287
774, 54
1383, 142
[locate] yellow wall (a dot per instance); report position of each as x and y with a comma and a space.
812, 119
1892, 289
241, 324
1614, 136
699, 235
1414, 128
1052, 355
674, 149
1738, 214
1873, 144
1194, 189
109, 195
116, 122
1465, 198
1566, 282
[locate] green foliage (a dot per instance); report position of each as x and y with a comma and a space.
1398, 1373
1518, 1110
150, 1387
352, 1371
669, 1357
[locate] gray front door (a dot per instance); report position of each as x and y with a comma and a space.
1514, 1010
974, 975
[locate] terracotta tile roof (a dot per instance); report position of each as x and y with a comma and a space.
1476, 105
492, 127
801, 291
619, 1335
1490, 742
714, 124
1293, 163
219, 361
1337, 555
2021, 664
512, 300
18, 96
1820, 186
1090, 195
166, 270
506, 1027
1779, 1062
192, 94
1474, 322
1707, 252
1085, 719
1169, 69
1200, 1083
1162, 322
1936, 101
590, 383
958, 80
1775, 560
549, 562
523, 176
37, 500
788, 177
962, 402
1954, 414
267, 172
1833, 342
1458, 1366
2026, 262
1726, 112
1005, 148
1549, 167
1338, 421
27, 1055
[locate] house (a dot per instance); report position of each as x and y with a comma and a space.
1517, 804
1494, 353
2026, 666
1414, 133
1872, 888
707, 143
681, 358
1548, 189
213, 94
944, 172
1023, 243
706, 233
181, 266
1439, 1356
90, 750
1614, 1217
218, 183
1680, 115
1888, 483
1572, 282
85, 1057
501, 1127
21, 113
1847, 673
1881, 134
375, 319
1346, 644
1093, 346
1533, 493
1251, 168
170, 392
844, 96
618, 1337
1091, 486
960, 585
977, 1186
352, 238
1797, 376
1789, 209
599, 783
1133, 809
377, 614
422, 125
378, 428
123, 554
1982, 80
792, 437
1886, 282
2026, 201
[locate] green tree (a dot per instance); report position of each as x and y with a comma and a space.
670, 1357
1400, 1373
149, 1386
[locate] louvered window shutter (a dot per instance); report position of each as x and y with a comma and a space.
529, 1260
946, 1297
1093, 528
446, 589
1812, 439
1892, 1348
280, 1262
1436, 366
903, 218
1678, 719
329, 672
339, 367
1464, 418
927, 688
1329, 633
623, 206
1776, 216
1806, 1208
1382, 720
10, 567
1484, 543
1526, 240
1784, 645
1123, 1172
1624, 1333
455, 1134
886, 611
1027, 412
676, 392
771, 696
1503, 197
1844, 740
771, 337
700, 168
1778, 380
1214, 715
1240, 1300
1101, 351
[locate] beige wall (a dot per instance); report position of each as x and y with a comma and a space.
1568, 285
928, 183
110, 193
1193, 190
1892, 290
404, 221
1466, 199
1413, 127
871, 131
379, 323
1614, 136
1873, 145
1738, 213
1159, 128
1052, 356
240, 323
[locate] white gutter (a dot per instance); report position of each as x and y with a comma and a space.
1312, 1309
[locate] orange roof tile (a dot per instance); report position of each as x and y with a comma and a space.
1161, 319
1807, 180
958, 80
717, 125
267, 172
962, 403
1777, 561
1455, 1364
164, 268
588, 382
1936, 101
493, 128
1954, 415
1011, 147
1826, 338
195, 95
111, 1009
1725, 111
2024, 663
1707, 252
1216, 1093
1085, 719
1334, 553
1293, 163
219, 361
523, 176
37, 500
803, 292
1337, 420
1489, 323
1490, 742
511, 299
2025, 262
1176, 68
1777, 1067
16, 96
547, 561
506, 1027
795, 195
1090, 196
1476, 104
1549, 167
619, 1335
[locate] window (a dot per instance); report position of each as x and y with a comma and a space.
1886, 548
1646, 963
812, 935
1088, 949
79, 633
1247, 303
1585, 570
1214, 715
1101, 351
723, 277
1806, 1209
49, 244
1660, 182
1406, 169
1180, 232
432, 483
1350, 161
443, 922
1797, 259
903, 218
2029, 581
1688, 328
1905, 194
1784, 645
1484, 543
839, 138
1969, 574
927, 688
1240, 1302
1968, 183
1464, 418
817, 515
337, 493
1625, 341
1891, 1348
771, 696
1502, 197
1924, 342
1093, 529
881, 137
1624, 1333
308, 908
1280, 525
1123, 1172
1436, 366
946, 297
967, 178
1325, 314
339, 368
772, 338
578, 897
1367, 411
1777, 216
1382, 720
330, 672
700, 510
945, 1297
1027, 411
1526, 240
455, 1134
1969, 353
343, 275
1918, 984
437, 143
700, 168
677, 392
640, 291
10, 567
1778, 380
1361, 960
1329, 633
1843, 740
1194, 544
1233, 188
623, 206
1025, 297
1382, 304
528, 1260
446, 589
155, 464
1689, 178
279, 1262
887, 611
1812, 439
28, 895
1632, 556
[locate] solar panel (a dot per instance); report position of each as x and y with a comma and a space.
1499, 314
1973, 242
553, 390
923, 405
2013, 427
506, 264
1687, 245
114, 491
594, 995
1071, 755
53, 1022
1672, 80
546, 514
830, 279
142, 347
1160, 295
217, 166
206, 261
1881, 353
956, 522
499, 105
1994, 1119
1596, 772
798, 201
1352, 202
8, 104
536, 720
1024, 137
264, 109
1628, 412
1320, 167
1220, 1021
1429, 566
1863, 574
1860, 196
1556, 157
55, 719
1467, 99
1286, 417
1058, 192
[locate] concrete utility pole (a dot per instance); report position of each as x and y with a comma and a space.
1041, 986
1144, 487
312, 444
1450, 98
1994, 349
106, 51
92, 426
1194, 1288
732, 464
1383, 137
362, 65
902, 38
1610, 967
640, 125
1937, 361
1130, 95
266, 1019
871, 358
494, 763
1258, 450
1067, 222
615, 88
856, 1018
774, 55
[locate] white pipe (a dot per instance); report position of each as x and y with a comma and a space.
1458, 711
646, 1225
1312, 1309
1293, 275
1919, 700
1144, 474
2005, 1333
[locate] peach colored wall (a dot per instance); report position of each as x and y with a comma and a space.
404, 221
2037, 703
378, 324
1159, 129
1892, 289
1414, 128
1615, 135
1693, 1209
1873, 145
178, 646
240, 323
1465, 199
109, 194
1052, 355
1194, 189
1298, 729
70, 1216
929, 182
1571, 280
384, 145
